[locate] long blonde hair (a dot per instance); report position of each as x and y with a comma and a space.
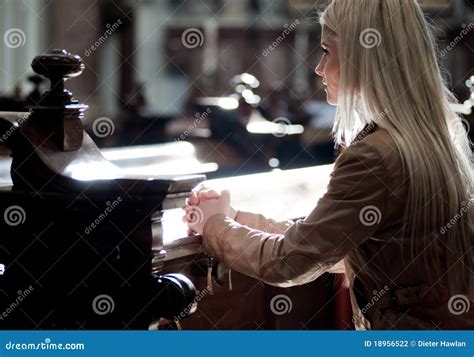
389, 75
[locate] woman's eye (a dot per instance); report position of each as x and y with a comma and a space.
325, 50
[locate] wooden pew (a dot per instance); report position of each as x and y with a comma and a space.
79, 234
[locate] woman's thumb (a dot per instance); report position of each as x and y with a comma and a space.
225, 197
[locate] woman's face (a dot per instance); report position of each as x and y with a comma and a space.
328, 67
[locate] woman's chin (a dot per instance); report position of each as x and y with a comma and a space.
331, 101
330, 98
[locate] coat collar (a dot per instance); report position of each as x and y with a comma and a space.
368, 129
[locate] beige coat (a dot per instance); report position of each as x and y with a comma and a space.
362, 209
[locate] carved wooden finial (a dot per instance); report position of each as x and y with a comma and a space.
58, 106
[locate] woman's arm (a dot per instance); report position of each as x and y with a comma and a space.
261, 223
252, 220
268, 225
311, 246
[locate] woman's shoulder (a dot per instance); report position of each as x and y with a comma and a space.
378, 144
376, 152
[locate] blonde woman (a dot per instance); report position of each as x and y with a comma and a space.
397, 216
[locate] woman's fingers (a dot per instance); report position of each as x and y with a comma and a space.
193, 215
193, 200
187, 217
189, 211
189, 208
225, 194
208, 194
203, 204
202, 195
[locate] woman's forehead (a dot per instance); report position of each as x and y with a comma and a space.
327, 36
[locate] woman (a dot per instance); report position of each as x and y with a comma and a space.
396, 217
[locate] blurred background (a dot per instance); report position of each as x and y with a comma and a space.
220, 87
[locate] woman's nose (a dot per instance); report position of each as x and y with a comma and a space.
318, 70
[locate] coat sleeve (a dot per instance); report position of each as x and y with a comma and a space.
261, 223
268, 225
348, 214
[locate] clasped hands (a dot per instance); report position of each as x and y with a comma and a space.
204, 204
